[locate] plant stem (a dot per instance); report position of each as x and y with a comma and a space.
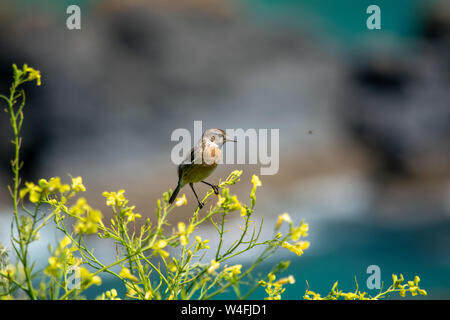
15, 165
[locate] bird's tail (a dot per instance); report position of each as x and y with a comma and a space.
175, 193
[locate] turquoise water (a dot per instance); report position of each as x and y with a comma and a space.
422, 251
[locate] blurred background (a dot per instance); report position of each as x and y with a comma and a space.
364, 118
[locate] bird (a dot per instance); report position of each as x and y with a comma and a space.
201, 162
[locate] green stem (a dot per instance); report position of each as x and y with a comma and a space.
16, 179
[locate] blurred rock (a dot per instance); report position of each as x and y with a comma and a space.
397, 108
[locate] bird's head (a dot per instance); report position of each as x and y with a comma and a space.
216, 136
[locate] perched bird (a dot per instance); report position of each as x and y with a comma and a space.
203, 159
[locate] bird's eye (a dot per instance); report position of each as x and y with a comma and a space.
212, 138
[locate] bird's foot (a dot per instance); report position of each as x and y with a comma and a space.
200, 205
216, 189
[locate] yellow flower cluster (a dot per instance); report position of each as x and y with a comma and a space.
158, 249
256, 183
335, 294
411, 286
201, 244
231, 203
231, 272
397, 286
62, 258
32, 74
184, 232
77, 185
297, 247
295, 233
33, 190
118, 200
300, 231
110, 295
89, 219
27, 74
130, 214
284, 217
213, 266
88, 278
44, 188
275, 288
181, 201
115, 198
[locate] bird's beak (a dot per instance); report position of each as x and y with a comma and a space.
228, 139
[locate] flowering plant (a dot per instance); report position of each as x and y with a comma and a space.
151, 263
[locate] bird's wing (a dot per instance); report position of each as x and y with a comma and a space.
197, 157
191, 158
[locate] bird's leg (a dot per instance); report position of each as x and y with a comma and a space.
215, 187
200, 204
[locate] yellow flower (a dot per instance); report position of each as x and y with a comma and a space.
233, 270
300, 231
220, 200
148, 295
234, 203
115, 198
202, 244
32, 74
396, 281
54, 184
125, 273
33, 190
290, 280
88, 278
350, 296
275, 289
184, 233
79, 208
132, 215
284, 217
256, 181
65, 242
77, 184
53, 267
172, 267
90, 223
214, 265
296, 248
181, 201
10, 270
315, 296
111, 295
402, 292
158, 249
